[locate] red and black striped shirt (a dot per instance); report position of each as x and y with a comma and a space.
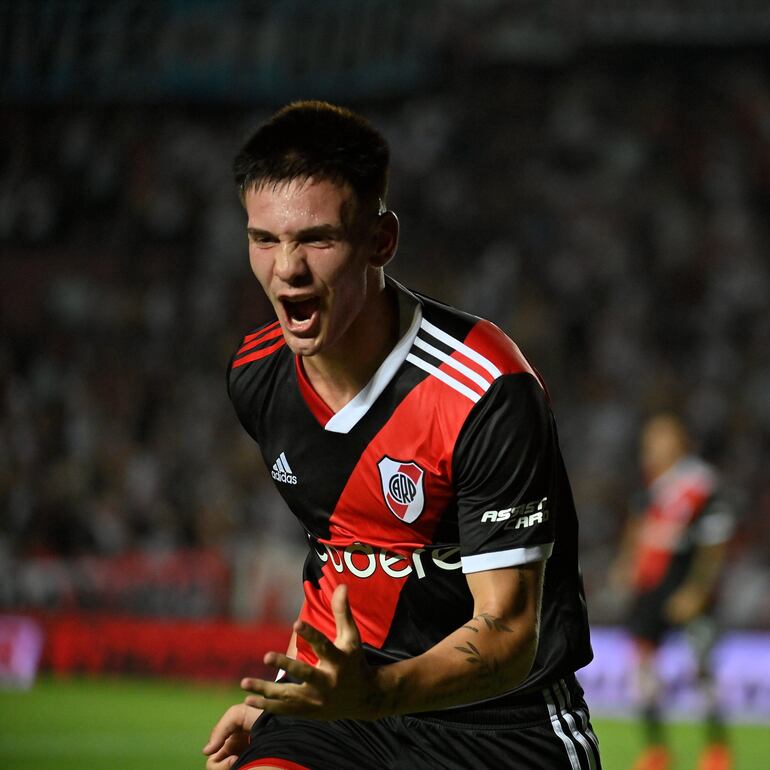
446, 463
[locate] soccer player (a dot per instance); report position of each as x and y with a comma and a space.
444, 614
670, 560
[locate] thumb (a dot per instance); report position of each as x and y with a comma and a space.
230, 722
348, 637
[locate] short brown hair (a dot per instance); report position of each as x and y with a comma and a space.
318, 140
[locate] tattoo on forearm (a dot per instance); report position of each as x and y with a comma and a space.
493, 622
487, 667
472, 651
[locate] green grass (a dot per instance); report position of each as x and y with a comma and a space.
123, 724
621, 740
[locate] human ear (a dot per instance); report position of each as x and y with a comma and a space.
386, 239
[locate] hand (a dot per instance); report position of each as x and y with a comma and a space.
340, 686
230, 736
685, 605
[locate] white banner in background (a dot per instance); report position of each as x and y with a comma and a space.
741, 663
21, 643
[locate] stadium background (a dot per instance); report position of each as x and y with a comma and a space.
595, 177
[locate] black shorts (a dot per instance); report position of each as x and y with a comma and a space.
647, 619
550, 730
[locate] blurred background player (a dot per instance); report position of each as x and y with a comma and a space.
670, 561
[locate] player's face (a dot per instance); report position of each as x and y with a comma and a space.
663, 443
315, 258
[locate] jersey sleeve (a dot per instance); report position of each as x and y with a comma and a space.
240, 389
716, 523
243, 390
505, 470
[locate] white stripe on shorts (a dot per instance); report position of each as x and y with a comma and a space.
562, 695
577, 735
557, 728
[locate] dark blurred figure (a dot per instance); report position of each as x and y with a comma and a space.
670, 561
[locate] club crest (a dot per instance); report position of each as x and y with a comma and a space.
402, 488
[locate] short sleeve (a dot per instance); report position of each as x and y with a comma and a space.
242, 389
716, 523
505, 470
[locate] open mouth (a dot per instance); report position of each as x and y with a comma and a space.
300, 312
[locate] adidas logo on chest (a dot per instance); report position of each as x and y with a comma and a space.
281, 470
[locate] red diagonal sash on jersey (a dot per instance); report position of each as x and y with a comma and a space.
362, 514
662, 530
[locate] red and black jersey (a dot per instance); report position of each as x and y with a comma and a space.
683, 509
446, 463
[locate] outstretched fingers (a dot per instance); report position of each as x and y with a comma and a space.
302, 672
270, 690
281, 698
322, 646
348, 637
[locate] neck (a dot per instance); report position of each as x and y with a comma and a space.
343, 370
664, 468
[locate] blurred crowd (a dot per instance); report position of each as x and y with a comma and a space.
611, 216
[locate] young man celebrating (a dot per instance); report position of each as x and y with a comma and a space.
444, 614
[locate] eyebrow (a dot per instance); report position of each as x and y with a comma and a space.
320, 232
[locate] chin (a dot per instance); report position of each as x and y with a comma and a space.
303, 347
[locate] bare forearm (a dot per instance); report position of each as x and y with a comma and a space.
622, 568
488, 655
484, 658
706, 567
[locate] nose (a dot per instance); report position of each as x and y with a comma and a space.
290, 264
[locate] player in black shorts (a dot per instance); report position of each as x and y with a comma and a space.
444, 614
670, 562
